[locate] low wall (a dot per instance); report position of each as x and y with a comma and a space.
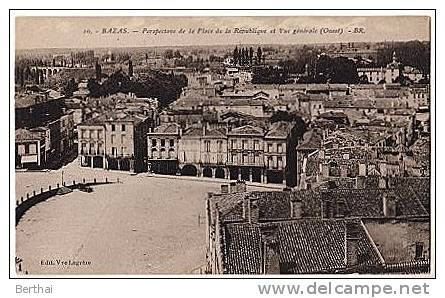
23, 204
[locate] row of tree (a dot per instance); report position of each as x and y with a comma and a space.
325, 69
166, 87
247, 56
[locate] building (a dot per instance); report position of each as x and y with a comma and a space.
114, 141
91, 143
30, 148
163, 149
203, 152
245, 151
316, 232
279, 153
389, 74
36, 107
125, 137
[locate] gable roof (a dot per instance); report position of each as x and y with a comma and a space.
306, 246
247, 130
166, 128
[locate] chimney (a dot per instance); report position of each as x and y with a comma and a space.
389, 205
383, 182
360, 182
341, 208
232, 187
296, 209
241, 186
270, 250
352, 238
251, 209
224, 188
327, 208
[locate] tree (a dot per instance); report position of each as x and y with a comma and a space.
251, 56
259, 55
168, 54
70, 87
236, 56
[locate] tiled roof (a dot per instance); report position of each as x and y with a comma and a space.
167, 128
246, 130
369, 202
27, 135
201, 132
95, 121
305, 246
24, 100
342, 202
312, 139
242, 249
279, 129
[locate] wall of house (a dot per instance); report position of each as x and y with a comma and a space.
396, 239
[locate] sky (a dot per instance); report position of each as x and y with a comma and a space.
87, 32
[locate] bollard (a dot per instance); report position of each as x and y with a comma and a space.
41, 189
83, 180
33, 192
94, 180
106, 180
57, 185
27, 195
74, 182
49, 187
17, 202
21, 200
63, 184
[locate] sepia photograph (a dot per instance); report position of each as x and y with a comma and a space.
222, 145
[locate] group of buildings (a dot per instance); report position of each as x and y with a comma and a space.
354, 162
44, 134
371, 228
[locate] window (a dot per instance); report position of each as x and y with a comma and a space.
84, 148
256, 145
280, 163
233, 145
113, 127
162, 143
123, 127
234, 158
245, 144
92, 150
270, 162
419, 250
162, 155
123, 149
171, 153
100, 134
32, 149
114, 151
100, 148
172, 143
245, 159
220, 146
83, 133
154, 153
21, 149
92, 134
280, 148
153, 143
122, 139
207, 146
270, 147
113, 139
